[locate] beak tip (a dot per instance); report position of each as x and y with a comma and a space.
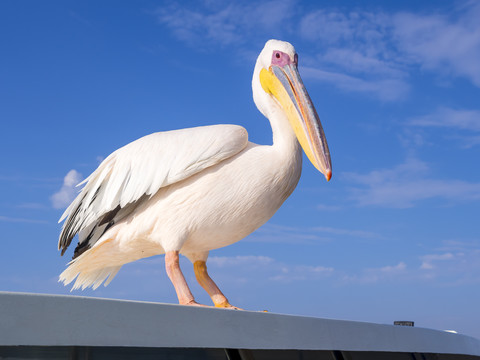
328, 175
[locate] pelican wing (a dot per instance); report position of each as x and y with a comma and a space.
141, 168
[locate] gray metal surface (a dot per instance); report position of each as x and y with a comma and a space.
53, 320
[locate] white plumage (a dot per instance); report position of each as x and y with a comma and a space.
193, 190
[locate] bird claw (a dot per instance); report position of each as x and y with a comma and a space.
227, 306
194, 303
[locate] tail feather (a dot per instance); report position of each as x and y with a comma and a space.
111, 275
101, 263
91, 268
85, 279
100, 278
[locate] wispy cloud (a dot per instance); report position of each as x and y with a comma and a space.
362, 62
370, 52
457, 245
471, 141
301, 273
269, 268
325, 207
250, 260
387, 89
357, 41
308, 235
356, 54
223, 23
274, 233
348, 232
67, 193
391, 43
31, 205
454, 263
446, 268
449, 43
405, 184
21, 220
336, 27
374, 275
466, 123
428, 261
449, 268
449, 118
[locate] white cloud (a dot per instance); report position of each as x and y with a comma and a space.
386, 89
410, 168
405, 184
31, 205
68, 192
250, 260
357, 46
285, 234
348, 232
454, 263
459, 245
325, 207
371, 52
428, 260
357, 41
374, 275
361, 62
306, 235
449, 268
301, 272
360, 28
393, 269
264, 267
223, 23
465, 123
411, 138
449, 118
21, 220
391, 44
442, 42
471, 141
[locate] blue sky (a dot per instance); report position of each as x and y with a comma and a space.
395, 235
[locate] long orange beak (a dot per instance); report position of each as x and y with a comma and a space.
286, 85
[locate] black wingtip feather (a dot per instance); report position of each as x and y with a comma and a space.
80, 249
70, 229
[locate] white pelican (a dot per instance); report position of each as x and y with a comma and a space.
193, 190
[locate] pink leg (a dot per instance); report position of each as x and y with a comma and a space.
210, 287
174, 272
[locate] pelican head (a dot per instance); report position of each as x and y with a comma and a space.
277, 86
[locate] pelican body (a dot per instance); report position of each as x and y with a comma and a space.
193, 190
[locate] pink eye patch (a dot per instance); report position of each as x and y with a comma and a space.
281, 59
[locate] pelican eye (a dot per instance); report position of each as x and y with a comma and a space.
279, 58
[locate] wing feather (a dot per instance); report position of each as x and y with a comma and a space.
146, 165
